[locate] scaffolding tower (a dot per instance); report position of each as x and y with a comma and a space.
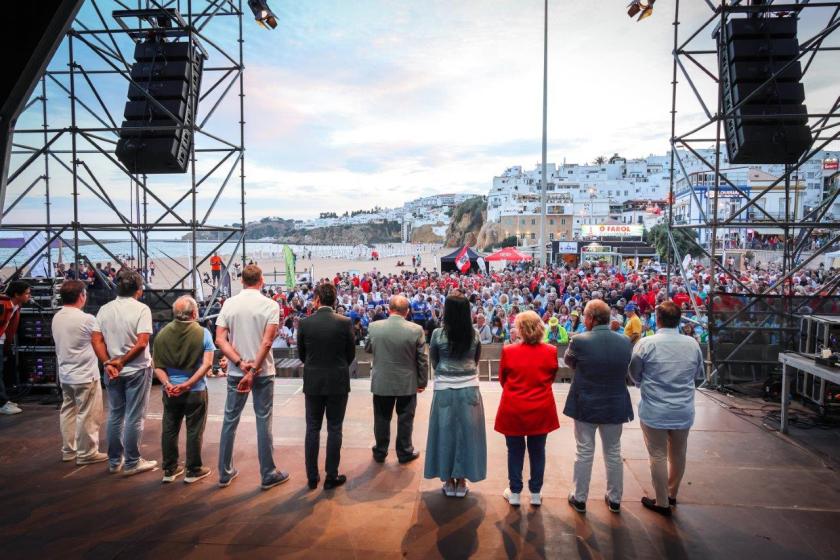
66, 187
749, 325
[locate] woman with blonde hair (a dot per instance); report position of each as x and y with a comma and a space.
527, 411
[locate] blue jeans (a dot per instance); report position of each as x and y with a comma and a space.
516, 461
127, 399
263, 391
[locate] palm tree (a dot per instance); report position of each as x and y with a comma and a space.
600, 160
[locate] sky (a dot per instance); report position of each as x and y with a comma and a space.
351, 105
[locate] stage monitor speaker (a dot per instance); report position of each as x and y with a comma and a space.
151, 141
771, 126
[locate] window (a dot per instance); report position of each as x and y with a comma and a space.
626, 193
551, 221
522, 221
563, 221
551, 236
533, 221
533, 235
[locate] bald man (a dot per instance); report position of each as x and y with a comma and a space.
400, 371
598, 400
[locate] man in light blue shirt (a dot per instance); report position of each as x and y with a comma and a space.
666, 366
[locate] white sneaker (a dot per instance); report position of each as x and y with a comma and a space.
67, 457
92, 459
115, 469
461, 489
10, 408
536, 499
449, 489
512, 497
142, 466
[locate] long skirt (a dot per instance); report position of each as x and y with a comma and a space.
457, 443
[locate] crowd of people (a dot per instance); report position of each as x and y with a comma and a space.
614, 324
557, 294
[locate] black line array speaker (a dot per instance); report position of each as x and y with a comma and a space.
772, 126
151, 141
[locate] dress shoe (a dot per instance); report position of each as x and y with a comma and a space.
579, 507
331, 483
650, 504
409, 458
377, 456
313, 483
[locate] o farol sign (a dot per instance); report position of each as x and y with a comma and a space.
612, 230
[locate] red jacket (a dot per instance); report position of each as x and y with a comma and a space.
9, 319
527, 407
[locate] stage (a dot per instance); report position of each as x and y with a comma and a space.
747, 493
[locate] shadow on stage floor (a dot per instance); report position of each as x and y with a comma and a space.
747, 493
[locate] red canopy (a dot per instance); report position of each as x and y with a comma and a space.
508, 254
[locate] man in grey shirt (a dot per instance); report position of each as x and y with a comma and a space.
400, 371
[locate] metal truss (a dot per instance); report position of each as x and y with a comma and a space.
96, 195
695, 62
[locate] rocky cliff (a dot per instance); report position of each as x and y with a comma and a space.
467, 220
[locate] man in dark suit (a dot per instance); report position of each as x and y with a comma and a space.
326, 348
598, 400
400, 371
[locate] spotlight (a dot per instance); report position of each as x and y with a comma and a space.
637, 7
263, 14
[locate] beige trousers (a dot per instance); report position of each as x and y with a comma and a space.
667, 460
81, 415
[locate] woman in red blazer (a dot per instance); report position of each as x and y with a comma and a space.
527, 411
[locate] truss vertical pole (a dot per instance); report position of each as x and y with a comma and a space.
47, 202
241, 42
674, 82
74, 133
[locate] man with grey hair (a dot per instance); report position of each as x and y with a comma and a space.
183, 354
598, 400
400, 371
485, 335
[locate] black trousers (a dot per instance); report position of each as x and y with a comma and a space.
317, 406
191, 406
383, 409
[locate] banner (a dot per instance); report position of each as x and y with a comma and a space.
567, 247
482, 267
612, 230
462, 261
289, 257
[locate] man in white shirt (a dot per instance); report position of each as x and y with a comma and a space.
121, 341
78, 373
245, 329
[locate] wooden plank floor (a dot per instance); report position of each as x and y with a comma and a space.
747, 494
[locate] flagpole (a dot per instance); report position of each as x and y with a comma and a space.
544, 185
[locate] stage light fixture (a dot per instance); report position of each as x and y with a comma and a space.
263, 14
644, 10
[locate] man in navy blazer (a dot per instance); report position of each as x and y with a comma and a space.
598, 400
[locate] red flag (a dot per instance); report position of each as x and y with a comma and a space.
462, 261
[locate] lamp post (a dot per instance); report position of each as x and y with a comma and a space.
544, 184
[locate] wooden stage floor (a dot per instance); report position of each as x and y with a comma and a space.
748, 493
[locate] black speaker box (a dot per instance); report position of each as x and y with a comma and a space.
151, 141
767, 118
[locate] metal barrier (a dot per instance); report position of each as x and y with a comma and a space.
287, 364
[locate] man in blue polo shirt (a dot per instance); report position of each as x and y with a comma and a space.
183, 354
419, 310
